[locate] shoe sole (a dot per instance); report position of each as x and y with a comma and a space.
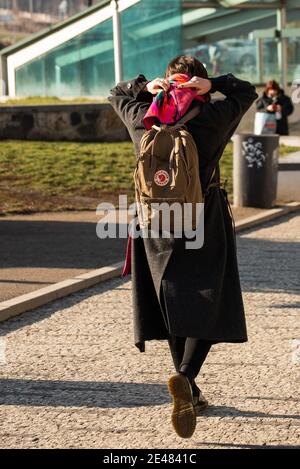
183, 415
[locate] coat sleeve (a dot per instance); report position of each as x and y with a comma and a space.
287, 106
130, 101
228, 113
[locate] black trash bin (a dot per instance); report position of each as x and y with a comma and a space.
255, 163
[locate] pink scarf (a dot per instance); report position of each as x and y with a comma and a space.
169, 107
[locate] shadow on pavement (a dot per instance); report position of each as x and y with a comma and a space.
226, 411
106, 395
37, 253
56, 244
81, 394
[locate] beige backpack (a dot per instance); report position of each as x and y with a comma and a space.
167, 173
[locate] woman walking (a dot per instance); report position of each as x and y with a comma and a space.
189, 297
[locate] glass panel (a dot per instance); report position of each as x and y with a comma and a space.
234, 55
294, 59
271, 68
83, 66
294, 51
270, 60
151, 36
220, 39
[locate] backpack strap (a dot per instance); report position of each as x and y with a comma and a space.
188, 116
184, 119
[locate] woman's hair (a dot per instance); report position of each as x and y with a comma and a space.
272, 85
186, 64
189, 65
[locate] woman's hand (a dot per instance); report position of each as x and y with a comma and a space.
203, 85
271, 108
155, 86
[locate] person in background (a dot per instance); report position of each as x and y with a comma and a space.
274, 100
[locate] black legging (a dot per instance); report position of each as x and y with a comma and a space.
188, 354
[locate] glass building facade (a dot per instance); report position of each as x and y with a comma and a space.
218, 32
83, 66
151, 34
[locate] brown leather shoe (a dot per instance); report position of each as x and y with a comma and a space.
184, 414
200, 403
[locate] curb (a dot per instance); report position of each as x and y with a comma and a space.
29, 301
269, 215
32, 300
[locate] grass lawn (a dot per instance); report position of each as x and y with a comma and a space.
54, 176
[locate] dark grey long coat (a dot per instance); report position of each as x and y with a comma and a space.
190, 293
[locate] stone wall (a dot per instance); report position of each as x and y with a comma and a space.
79, 122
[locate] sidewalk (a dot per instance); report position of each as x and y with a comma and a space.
71, 376
41, 249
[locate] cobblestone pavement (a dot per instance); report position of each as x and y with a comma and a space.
72, 377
